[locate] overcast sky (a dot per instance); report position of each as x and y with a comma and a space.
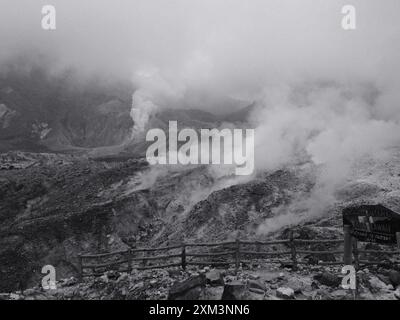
232, 46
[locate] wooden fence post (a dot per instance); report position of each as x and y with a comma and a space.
347, 257
237, 255
293, 249
355, 253
80, 269
258, 246
130, 257
398, 239
183, 256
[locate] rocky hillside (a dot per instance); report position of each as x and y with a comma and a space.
71, 182
53, 207
42, 111
255, 283
59, 206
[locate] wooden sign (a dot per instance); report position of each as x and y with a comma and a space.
372, 223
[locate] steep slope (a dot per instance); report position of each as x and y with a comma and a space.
59, 206
59, 112
55, 207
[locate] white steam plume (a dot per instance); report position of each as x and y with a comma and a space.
154, 92
332, 126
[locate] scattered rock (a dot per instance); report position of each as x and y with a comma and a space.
376, 285
394, 277
339, 294
136, 286
174, 273
285, 293
383, 278
113, 275
189, 289
252, 284
211, 293
300, 285
229, 279
328, 279
287, 265
254, 276
302, 232
4, 296
234, 290
397, 294
29, 292
14, 296
214, 278
104, 278
311, 259
69, 282
256, 290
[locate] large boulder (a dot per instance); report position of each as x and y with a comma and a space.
340, 294
397, 294
188, 289
285, 293
212, 293
234, 290
254, 284
214, 278
300, 285
376, 285
394, 277
328, 279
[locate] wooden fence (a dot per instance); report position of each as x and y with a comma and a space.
239, 251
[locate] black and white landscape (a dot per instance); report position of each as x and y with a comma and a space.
83, 82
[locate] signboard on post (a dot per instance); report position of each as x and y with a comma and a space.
372, 223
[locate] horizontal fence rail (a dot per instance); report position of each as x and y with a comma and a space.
226, 254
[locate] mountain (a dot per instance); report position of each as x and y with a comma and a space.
73, 181
42, 112
54, 206
39, 111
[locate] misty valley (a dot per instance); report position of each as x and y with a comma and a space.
199, 150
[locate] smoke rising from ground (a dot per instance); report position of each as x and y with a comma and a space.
153, 93
325, 95
330, 125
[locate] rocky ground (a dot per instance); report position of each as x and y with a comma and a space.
60, 206
55, 206
260, 283
62, 194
